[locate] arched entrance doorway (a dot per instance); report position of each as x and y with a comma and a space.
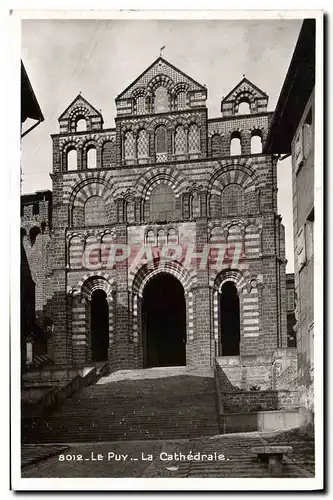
229, 320
164, 322
99, 326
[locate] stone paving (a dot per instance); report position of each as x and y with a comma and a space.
170, 458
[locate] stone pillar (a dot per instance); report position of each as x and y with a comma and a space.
201, 345
245, 143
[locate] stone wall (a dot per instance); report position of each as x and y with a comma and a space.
248, 401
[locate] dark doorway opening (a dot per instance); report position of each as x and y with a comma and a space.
164, 322
99, 326
230, 320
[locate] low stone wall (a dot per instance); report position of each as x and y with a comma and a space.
245, 410
261, 421
59, 386
243, 372
248, 401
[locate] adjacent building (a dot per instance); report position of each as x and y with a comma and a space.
292, 133
29, 110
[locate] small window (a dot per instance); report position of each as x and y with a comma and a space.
129, 147
233, 200
244, 108
72, 159
22, 210
193, 138
81, 125
94, 211
161, 139
181, 100
235, 144
256, 143
35, 209
162, 203
161, 100
91, 158
143, 144
140, 105
180, 140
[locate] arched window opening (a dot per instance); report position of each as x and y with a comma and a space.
235, 144
193, 139
229, 320
94, 212
233, 200
161, 139
172, 237
140, 105
162, 203
129, 146
150, 238
81, 124
180, 140
143, 144
256, 143
244, 108
195, 205
216, 145
91, 158
33, 233
72, 159
161, 100
99, 326
181, 100
130, 211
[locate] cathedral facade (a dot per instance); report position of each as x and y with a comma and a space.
166, 175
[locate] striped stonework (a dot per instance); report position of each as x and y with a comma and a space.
144, 275
160, 175
73, 184
81, 308
251, 323
79, 323
75, 252
252, 241
216, 297
190, 317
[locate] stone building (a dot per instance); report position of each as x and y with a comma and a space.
36, 225
165, 174
30, 110
292, 134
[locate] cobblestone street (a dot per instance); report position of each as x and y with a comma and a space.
164, 458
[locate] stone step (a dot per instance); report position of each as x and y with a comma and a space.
161, 403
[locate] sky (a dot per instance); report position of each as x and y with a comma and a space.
100, 58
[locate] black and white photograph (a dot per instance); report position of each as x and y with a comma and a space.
169, 309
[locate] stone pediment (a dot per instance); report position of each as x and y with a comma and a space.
161, 68
79, 104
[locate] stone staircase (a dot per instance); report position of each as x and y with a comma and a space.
152, 404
